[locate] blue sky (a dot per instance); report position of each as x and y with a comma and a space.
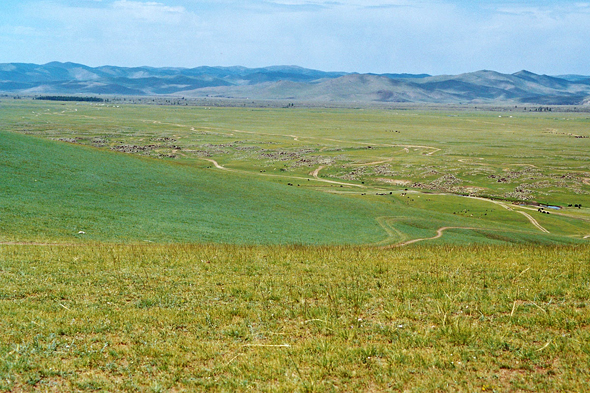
379, 36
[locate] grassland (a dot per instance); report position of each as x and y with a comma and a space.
287, 318
152, 248
52, 191
292, 176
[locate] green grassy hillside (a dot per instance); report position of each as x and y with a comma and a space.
52, 190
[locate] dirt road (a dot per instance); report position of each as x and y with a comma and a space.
528, 216
316, 172
534, 222
216, 164
439, 234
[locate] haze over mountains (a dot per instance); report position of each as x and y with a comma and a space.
294, 83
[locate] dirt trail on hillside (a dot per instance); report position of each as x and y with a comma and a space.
439, 234
391, 230
441, 230
528, 216
216, 164
316, 173
490, 200
432, 152
434, 149
534, 222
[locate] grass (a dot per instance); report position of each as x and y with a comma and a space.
473, 146
52, 190
267, 194
277, 318
154, 270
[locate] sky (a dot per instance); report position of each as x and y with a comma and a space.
371, 36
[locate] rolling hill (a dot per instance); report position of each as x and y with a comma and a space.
53, 190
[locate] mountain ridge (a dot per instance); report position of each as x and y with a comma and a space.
293, 83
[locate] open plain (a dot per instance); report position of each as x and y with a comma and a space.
292, 175
172, 248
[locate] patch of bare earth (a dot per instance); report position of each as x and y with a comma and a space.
395, 182
473, 190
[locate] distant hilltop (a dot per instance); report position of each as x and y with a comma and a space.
293, 83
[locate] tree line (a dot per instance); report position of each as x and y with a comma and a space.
70, 98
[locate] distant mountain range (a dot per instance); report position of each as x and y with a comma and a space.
293, 83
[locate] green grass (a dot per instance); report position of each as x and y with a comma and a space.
241, 318
52, 190
258, 285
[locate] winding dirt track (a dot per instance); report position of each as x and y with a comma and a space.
528, 216
216, 164
534, 222
439, 234
391, 231
316, 172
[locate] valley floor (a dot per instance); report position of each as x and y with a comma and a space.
149, 248
128, 173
